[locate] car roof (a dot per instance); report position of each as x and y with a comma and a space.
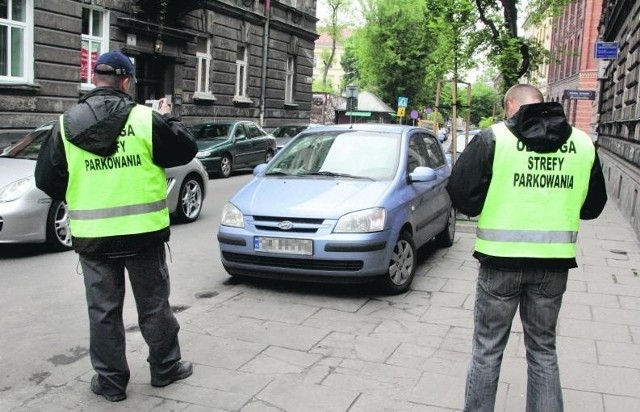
373, 127
223, 121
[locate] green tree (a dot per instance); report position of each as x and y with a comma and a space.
391, 51
512, 54
334, 28
484, 100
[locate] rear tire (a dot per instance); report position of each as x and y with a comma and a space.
58, 231
268, 156
446, 237
226, 164
402, 266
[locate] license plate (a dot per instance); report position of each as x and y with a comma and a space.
283, 245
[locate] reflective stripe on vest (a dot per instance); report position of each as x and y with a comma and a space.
534, 199
117, 211
531, 236
121, 194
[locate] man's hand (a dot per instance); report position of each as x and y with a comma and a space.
163, 106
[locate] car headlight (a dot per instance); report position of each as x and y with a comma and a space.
16, 189
232, 216
362, 221
203, 154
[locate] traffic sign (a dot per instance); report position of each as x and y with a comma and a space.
401, 111
428, 110
403, 101
414, 114
606, 50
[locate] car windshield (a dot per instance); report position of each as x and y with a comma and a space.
29, 146
210, 131
351, 154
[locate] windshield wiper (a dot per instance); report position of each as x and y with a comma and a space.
278, 173
335, 174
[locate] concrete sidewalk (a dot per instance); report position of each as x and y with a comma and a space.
272, 347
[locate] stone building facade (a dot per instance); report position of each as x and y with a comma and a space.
250, 59
572, 75
619, 110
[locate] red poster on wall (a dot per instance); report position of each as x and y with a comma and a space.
84, 64
87, 60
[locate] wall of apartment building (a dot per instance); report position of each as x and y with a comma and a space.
56, 84
619, 111
573, 65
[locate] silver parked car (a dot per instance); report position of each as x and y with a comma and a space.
28, 215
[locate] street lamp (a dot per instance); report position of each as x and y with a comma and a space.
352, 100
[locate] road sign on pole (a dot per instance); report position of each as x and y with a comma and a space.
403, 101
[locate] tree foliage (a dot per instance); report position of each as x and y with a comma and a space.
391, 51
334, 28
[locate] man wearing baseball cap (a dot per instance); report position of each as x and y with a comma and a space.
106, 157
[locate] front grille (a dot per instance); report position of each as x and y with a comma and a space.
290, 263
300, 225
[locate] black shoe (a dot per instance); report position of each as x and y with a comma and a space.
181, 370
99, 390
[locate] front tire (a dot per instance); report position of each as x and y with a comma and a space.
268, 156
402, 266
58, 231
189, 200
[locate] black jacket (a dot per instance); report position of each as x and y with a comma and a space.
94, 125
542, 128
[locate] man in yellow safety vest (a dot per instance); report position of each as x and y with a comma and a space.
530, 179
106, 157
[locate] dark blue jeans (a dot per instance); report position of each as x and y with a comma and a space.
104, 281
538, 292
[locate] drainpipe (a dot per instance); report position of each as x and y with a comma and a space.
265, 49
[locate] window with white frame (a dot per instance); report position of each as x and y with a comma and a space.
241, 71
16, 41
203, 67
290, 75
95, 41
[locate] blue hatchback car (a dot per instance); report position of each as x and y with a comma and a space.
341, 203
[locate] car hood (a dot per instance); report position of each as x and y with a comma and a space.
14, 169
209, 144
308, 197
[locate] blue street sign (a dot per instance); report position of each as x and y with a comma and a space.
403, 101
606, 50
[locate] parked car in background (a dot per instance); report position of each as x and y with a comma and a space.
284, 134
443, 134
462, 139
28, 215
361, 199
227, 145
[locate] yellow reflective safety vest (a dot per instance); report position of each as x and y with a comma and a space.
533, 204
121, 194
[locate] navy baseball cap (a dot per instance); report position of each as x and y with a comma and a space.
120, 64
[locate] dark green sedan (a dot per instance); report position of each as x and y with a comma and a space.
228, 145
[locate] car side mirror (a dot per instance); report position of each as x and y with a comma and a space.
259, 170
422, 174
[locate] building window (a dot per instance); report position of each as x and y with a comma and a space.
203, 68
16, 41
290, 73
241, 71
95, 41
